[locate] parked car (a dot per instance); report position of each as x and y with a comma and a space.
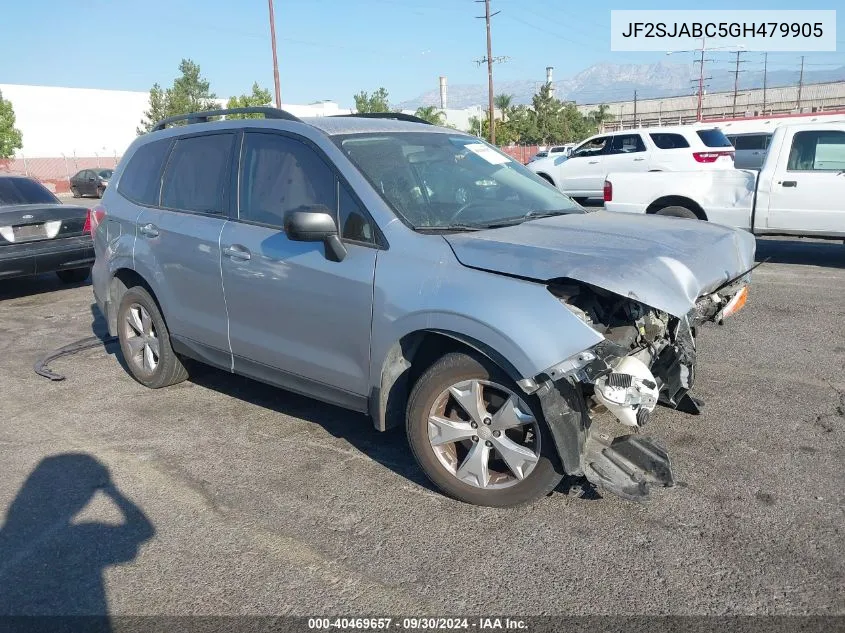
582, 174
90, 182
39, 234
750, 149
417, 274
554, 150
799, 190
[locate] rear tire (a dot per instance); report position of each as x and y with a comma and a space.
74, 275
677, 212
100, 191
145, 341
534, 468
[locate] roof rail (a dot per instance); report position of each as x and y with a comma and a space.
398, 116
202, 117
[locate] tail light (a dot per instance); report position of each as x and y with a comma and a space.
710, 157
93, 219
608, 191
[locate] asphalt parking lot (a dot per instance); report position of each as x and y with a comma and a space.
242, 499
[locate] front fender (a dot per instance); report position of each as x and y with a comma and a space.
518, 323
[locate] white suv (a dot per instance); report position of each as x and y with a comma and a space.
582, 173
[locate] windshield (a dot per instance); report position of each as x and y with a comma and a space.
435, 180
24, 191
105, 174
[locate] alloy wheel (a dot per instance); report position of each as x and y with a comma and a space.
484, 434
141, 339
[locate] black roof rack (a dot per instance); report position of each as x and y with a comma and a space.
398, 116
202, 117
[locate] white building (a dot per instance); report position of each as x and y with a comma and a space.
86, 122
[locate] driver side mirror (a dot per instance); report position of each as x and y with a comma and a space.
315, 224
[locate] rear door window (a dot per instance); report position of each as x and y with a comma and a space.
667, 140
713, 138
627, 144
141, 180
197, 173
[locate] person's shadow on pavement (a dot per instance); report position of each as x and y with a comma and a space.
51, 565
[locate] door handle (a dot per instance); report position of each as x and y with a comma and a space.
790, 183
236, 251
636, 160
149, 230
592, 162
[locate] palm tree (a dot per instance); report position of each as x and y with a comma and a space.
601, 116
503, 102
430, 114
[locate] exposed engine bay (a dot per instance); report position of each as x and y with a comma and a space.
647, 357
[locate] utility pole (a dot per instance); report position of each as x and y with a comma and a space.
800, 83
489, 59
275, 59
736, 81
765, 73
700, 83
635, 109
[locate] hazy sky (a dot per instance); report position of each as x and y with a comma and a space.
328, 49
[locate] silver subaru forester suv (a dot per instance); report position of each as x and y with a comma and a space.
417, 274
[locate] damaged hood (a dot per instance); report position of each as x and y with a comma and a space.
663, 262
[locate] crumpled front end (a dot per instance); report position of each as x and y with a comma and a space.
647, 358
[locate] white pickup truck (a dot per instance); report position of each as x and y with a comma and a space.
800, 189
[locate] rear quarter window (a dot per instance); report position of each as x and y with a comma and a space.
666, 140
713, 138
141, 180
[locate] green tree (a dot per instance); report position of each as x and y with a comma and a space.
10, 136
259, 97
503, 102
430, 114
376, 102
157, 110
190, 92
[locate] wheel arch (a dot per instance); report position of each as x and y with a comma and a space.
679, 201
409, 357
123, 279
546, 177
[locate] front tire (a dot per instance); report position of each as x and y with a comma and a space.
676, 211
478, 437
74, 275
74, 192
145, 341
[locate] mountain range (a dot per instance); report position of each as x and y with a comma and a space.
603, 83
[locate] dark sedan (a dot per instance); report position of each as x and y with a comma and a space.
39, 234
90, 182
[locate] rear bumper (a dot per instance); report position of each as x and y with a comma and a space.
32, 258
